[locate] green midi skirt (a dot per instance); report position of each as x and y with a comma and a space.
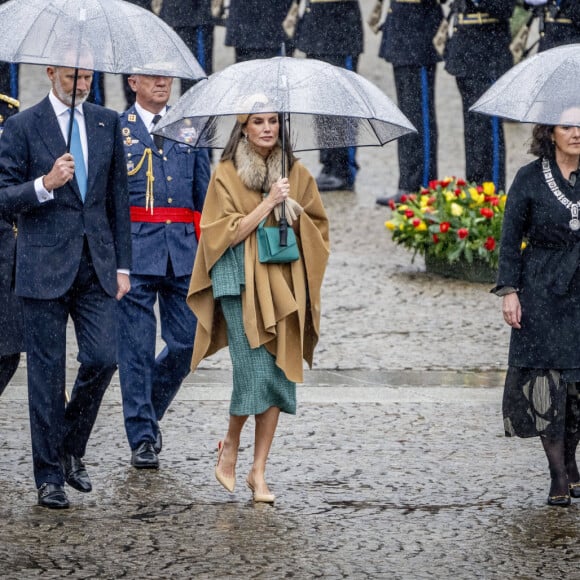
258, 383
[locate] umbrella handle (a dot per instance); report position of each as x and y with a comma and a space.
72, 110
283, 224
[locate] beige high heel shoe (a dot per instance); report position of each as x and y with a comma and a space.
260, 497
229, 482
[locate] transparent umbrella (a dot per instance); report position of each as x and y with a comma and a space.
111, 36
323, 106
543, 89
326, 106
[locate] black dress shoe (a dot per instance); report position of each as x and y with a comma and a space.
391, 199
144, 456
53, 496
328, 182
575, 489
559, 500
158, 445
75, 473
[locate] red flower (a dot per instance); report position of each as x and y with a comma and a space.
435, 239
444, 227
433, 184
409, 213
457, 192
479, 189
461, 182
489, 244
413, 196
462, 233
392, 204
486, 212
446, 182
416, 222
493, 200
404, 198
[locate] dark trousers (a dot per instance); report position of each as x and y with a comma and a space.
484, 137
149, 383
340, 162
417, 152
8, 366
57, 429
200, 41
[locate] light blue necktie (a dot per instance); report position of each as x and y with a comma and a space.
76, 151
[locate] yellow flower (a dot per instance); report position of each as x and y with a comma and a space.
401, 227
456, 209
502, 200
422, 227
476, 196
390, 225
523, 246
449, 195
488, 187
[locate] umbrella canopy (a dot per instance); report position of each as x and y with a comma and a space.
111, 36
543, 89
327, 106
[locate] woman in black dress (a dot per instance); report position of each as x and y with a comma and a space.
540, 286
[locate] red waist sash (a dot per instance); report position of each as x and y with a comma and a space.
167, 215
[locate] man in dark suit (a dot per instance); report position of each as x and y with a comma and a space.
164, 245
193, 21
73, 255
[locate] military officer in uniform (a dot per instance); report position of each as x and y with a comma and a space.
254, 28
477, 54
193, 21
167, 185
559, 22
407, 43
11, 337
332, 31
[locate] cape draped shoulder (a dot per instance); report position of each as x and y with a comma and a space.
280, 302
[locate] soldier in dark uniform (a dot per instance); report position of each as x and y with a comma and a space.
11, 337
8, 77
407, 43
332, 31
254, 28
167, 185
559, 22
193, 21
477, 54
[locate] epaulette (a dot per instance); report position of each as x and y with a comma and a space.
12, 102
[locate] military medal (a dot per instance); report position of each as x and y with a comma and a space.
574, 223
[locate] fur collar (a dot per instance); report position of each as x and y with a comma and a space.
257, 173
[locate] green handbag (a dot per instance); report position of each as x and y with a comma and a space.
269, 249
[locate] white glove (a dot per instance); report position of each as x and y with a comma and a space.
536, 2
293, 210
374, 20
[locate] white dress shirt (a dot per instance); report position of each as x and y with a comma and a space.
62, 113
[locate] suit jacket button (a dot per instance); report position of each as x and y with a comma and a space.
169, 200
168, 222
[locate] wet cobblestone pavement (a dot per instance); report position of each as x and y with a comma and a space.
395, 466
